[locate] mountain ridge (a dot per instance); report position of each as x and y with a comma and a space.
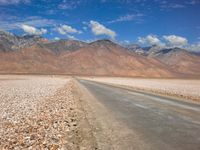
101, 57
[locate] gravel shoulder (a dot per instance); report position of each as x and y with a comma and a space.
186, 89
42, 113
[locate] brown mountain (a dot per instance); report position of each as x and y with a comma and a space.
64, 45
98, 58
11, 42
180, 60
104, 57
101, 57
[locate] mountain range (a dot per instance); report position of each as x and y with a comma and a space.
35, 55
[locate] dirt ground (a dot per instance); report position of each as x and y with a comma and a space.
42, 112
187, 89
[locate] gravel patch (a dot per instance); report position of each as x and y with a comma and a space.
20, 96
41, 113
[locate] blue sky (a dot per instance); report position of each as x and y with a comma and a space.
148, 22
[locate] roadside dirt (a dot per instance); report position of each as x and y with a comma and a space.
59, 123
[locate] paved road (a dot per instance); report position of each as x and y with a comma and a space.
165, 123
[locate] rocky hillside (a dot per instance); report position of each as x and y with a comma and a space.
180, 60
64, 45
177, 59
11, 42
104, 57
33, 54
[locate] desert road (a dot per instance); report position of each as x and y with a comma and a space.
139, 120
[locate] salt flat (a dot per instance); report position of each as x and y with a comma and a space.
185, 88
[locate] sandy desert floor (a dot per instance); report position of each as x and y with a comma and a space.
40, 112
182, 88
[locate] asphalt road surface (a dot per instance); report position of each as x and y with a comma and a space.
161, 123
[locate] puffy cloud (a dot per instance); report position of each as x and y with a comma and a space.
174, 40
66, 29
193, 47
166, 40
150, 40
99, 29
169, 41
9, 2
32, 30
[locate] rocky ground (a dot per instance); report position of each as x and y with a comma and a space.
59, 113
187, 89
42, 113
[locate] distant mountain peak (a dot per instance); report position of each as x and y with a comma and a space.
170, 51
31, 36
103, 43
11, 42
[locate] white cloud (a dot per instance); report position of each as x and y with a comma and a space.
166, 41
174, 40
66, 29
193, 47
71, 37
32, 30
150, 40
85, 28
176, 6
170, 41
169, 5
128, 17
9, 2
69, 4
124, 42
99, 29
56, 38
8, 22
